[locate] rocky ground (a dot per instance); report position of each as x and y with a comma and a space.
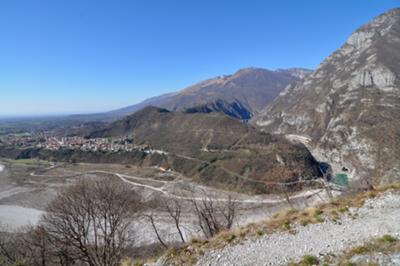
377, 258
377, 217
27, 186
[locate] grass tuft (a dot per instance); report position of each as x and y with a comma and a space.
286, 225
305, 222
318, 212
194, 240
388, 239
260, 232
309, 260
230, 238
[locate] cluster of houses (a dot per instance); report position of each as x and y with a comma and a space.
43, 141
95, 144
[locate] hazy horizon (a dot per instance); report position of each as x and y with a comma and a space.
71, 57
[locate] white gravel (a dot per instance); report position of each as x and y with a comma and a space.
14, 217
377, 217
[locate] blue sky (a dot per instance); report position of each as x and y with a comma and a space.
78, 56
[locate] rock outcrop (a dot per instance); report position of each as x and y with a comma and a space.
350, 105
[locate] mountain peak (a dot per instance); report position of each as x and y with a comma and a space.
349, 105
377, 28
239, 95
247, 70
391, 12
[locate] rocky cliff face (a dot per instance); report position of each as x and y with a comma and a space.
350, 105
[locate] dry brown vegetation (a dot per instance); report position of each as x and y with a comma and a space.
89, 223
386, 244
281, 221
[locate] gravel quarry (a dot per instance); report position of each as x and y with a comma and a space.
27, 187
377, 217
15, 216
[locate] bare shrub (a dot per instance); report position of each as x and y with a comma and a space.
174, 210
10, 247
151, 218
90, 221
214, 215
25, 246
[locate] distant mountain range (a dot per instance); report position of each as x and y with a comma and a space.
240, 95
350, 105
348, 109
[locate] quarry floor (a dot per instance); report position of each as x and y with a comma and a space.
27, 186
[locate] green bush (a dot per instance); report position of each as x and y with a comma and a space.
286, 225
360, 250
231, 237
318, 212
309, 260
260, 232
388, 238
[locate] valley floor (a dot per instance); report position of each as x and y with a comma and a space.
27, 186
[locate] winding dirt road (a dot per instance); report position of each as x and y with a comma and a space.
128, 180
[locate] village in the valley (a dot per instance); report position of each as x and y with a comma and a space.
73, 143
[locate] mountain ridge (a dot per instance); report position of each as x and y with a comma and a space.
349, 105
241, 94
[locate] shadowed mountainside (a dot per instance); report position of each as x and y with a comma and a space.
240, 95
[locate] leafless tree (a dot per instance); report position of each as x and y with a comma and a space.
173, 207
151, 219
36, 242
90, 221
30, 246
214, 215
174, 210
150, 214
9, 247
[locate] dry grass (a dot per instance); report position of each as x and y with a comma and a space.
145, 254
280, 221
386, 244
